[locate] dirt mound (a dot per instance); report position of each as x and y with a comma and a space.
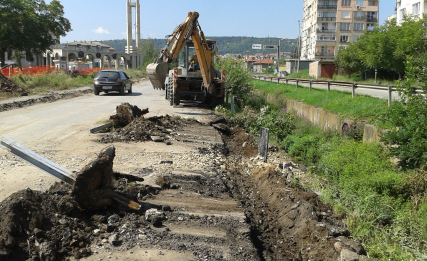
125, 114
7, 85
289, 223
49, 225
243, 143
94, 183
143, 129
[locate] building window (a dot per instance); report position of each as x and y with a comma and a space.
324, 49
416, 9
345, 14
359, 2
372, 3
402, 13
371, 17
346, 2
370, 27
326, 14
345, 26
359, 15
358, 26
344, 38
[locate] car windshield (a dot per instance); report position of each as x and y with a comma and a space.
108, 75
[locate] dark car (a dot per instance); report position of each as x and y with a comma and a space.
112, 80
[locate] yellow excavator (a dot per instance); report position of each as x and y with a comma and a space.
195, 77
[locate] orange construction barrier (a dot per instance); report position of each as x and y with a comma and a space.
45, 69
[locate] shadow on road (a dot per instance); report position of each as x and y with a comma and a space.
118, 94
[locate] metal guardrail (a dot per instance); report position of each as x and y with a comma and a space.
353, 85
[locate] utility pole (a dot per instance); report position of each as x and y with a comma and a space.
299, 45
278, 57
67, 58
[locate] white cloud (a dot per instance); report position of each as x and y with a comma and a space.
101, 30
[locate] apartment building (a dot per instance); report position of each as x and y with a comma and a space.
331, 24
410, 7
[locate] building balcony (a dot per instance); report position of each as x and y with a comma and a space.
334, 7
327, 30
324, 55
326, 19
371, 20
326, 38
360, 18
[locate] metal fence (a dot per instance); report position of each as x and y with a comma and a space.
353, 85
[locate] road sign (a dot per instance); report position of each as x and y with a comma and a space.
257, 46
270, 46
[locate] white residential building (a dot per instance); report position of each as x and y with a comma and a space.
331, 24
410, 7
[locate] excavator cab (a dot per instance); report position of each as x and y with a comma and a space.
195, 77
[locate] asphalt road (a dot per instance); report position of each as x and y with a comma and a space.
48, 121
381, 94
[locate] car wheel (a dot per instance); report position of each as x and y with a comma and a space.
96, 92
122, 90
130, 89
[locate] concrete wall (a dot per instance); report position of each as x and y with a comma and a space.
314, 70
327, 120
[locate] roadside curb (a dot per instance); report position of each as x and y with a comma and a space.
45, 98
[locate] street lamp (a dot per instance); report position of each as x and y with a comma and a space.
278, 56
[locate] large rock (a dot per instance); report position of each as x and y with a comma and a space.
347, 255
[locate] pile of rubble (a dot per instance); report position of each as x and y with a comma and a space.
132, 126
7, 85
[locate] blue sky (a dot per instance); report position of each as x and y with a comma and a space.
106, 19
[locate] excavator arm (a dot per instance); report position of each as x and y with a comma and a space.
189, 28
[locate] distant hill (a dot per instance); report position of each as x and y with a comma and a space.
226, 44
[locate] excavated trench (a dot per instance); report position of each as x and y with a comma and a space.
219, 202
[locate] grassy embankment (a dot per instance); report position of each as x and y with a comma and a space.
386, 208
60, 81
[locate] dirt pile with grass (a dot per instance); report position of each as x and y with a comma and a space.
7, 85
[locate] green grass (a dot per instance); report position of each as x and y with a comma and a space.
61, 81
385, 207
303, 74
359, 108
358, 79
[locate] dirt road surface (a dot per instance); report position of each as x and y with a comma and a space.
206, 196
59, 131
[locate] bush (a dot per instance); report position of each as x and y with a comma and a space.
238, 78
407, 139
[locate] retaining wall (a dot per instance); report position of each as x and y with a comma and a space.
327, 120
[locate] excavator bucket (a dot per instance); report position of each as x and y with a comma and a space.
157, 73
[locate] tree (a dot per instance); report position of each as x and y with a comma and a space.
238, 78
31, 26
407, 139
149, 51
386, 47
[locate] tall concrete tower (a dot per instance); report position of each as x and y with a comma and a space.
129, 47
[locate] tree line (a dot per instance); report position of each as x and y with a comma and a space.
30, 27
388, 47
226, 44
